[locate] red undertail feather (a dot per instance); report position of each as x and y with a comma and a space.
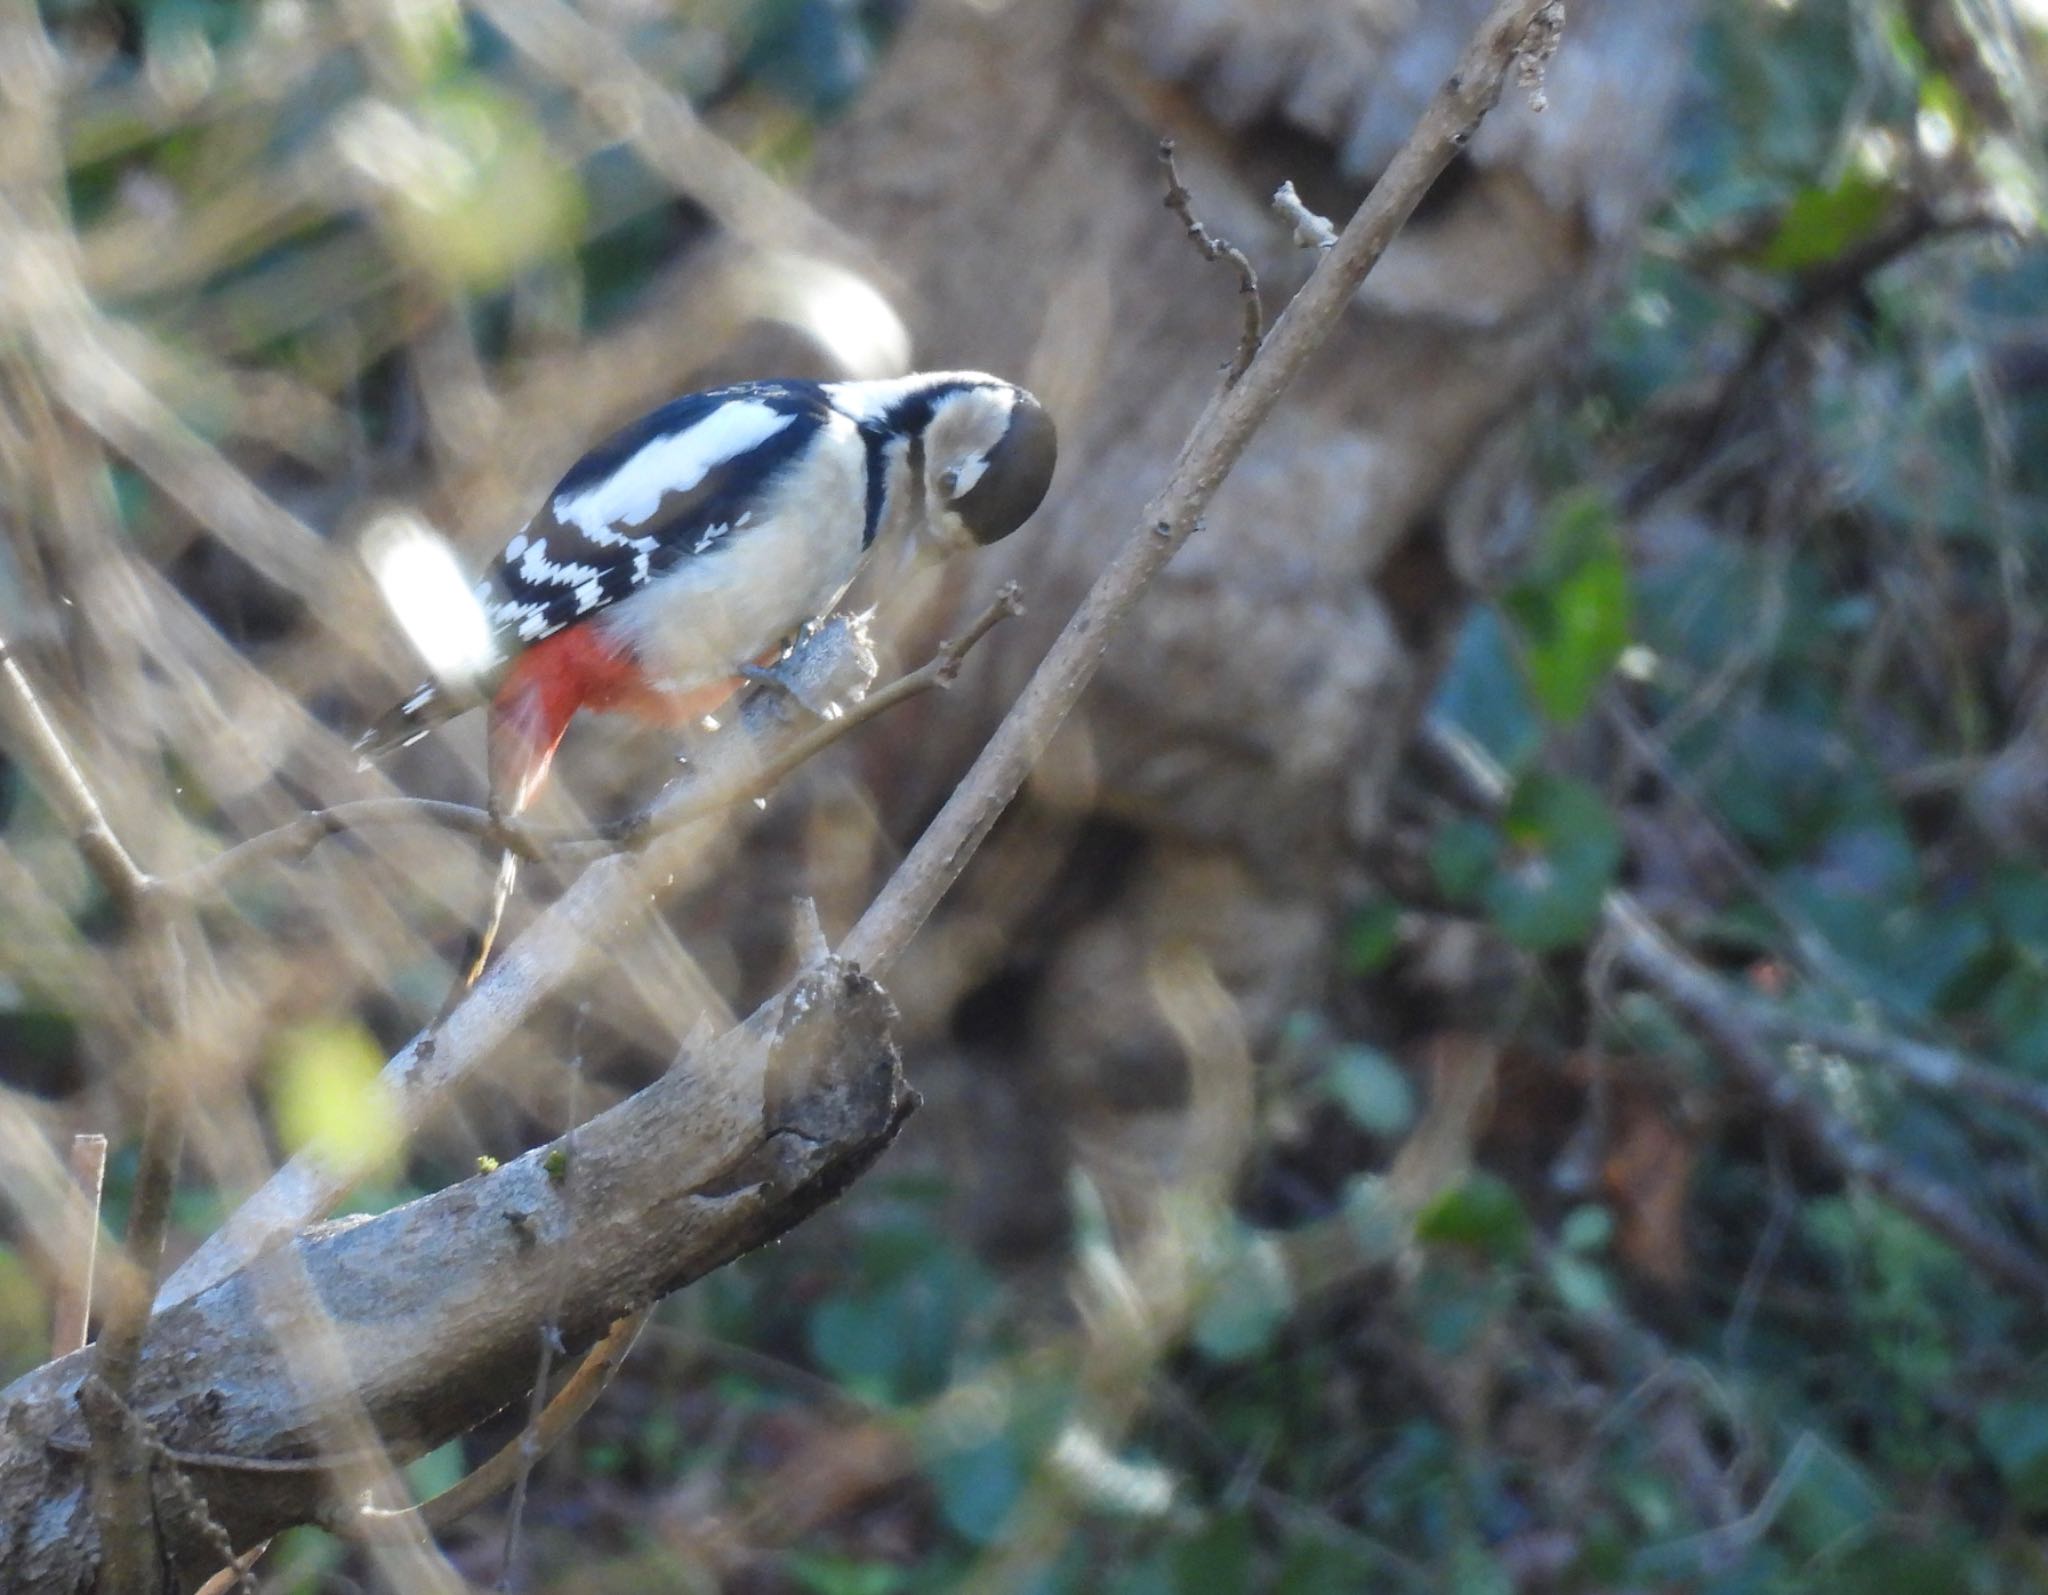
574, 669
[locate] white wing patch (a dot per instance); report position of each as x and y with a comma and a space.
536, 567
672, 464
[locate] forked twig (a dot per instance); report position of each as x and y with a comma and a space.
590, 1380
1182, 204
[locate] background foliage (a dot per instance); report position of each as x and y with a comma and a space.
1771, 662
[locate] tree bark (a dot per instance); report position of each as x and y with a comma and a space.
433, 1305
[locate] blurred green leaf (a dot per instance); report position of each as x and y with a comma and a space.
1571, 606
1371, 936
894, 1333
440, 1469
839, 1575
1476, 1571
1894, 1564
856, 1340
979, 1487
1217, 1560
1371, 1089
1565, 851
1322, 1566
24, 1316
327, 1098
1581, 1285
1378, 1226
2019, 904
1482, 692
1248, 1300
1829, 1499
471, 188
1462, 858
1823, 224
1483, 1214
2014, 1435
1587, 1228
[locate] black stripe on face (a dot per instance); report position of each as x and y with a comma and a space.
879, 487
878, 482
1014, 482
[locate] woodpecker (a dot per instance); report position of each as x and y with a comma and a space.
689, 546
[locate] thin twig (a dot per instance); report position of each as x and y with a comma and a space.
527, 1448
1182, 204
1539, 47
61, 780
1815, 292
126, 1508
227, 1462
590, 1380
300, 834
688, 801
1219, 437
1918, 1063
622, 97
121, 1466
88, 1165
236, 1575
1934, 1206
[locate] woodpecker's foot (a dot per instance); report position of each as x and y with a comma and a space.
773, 680
508, 833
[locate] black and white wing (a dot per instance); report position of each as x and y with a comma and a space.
672, 486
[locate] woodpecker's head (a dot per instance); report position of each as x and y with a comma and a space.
989, 451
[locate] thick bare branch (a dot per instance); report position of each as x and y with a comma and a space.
438, 1299
610, 894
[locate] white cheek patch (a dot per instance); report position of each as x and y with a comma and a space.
968, 473
673, 464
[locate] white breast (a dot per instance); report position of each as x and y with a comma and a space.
785, 562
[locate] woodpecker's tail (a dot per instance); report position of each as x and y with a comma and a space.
404, 725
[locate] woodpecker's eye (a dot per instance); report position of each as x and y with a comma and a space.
1014, 477
949, 480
